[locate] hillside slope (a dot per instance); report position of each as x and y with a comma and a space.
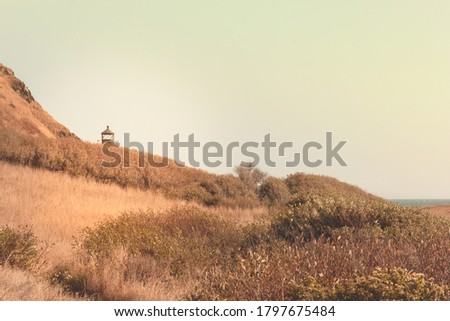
31, 137
139, 233
20, 112
58, 206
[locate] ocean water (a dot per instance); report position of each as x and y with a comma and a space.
421, 202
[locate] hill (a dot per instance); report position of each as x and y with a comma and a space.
80, 230
19, 111
30, 136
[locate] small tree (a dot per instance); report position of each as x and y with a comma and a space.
250, 175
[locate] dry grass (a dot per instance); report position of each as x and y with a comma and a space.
118, 279
82, 159
58, 206
19, 285
241, 215
171, 251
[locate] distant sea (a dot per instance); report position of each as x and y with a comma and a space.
421, 202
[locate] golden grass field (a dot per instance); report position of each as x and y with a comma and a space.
57, 207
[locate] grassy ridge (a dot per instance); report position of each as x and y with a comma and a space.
323, 239
81, 159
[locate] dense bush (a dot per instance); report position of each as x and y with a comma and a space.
183, 237
381, 285
18, 248
304, 186
274, 192
173, 244
317, 216
330, 248
323, 270
70, 280
390, 285
250, 175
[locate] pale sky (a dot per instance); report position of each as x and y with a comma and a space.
375, 73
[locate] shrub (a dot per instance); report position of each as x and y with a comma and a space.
268, 268
273, 191
317, 216
182, 238
303, 186
144, 247
201, 193
390, 284
74, 283
18, 248
250, 175
235, 193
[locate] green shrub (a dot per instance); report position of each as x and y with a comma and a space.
308, 289
381, 285
235, 193
168, 246
390, 284
18, 248
204, 193
182, 238
317, 216
259, 279
74, 283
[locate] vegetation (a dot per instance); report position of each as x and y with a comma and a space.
395, 284
18, 248
274, 192
221, 260
324, 255
250, 175
81, 159
152, 246
19, 285
179, 233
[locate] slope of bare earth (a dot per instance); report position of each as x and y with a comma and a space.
442, 210
20, 112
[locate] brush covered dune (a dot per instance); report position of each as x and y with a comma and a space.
304, 237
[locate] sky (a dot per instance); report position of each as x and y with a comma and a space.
374, 73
